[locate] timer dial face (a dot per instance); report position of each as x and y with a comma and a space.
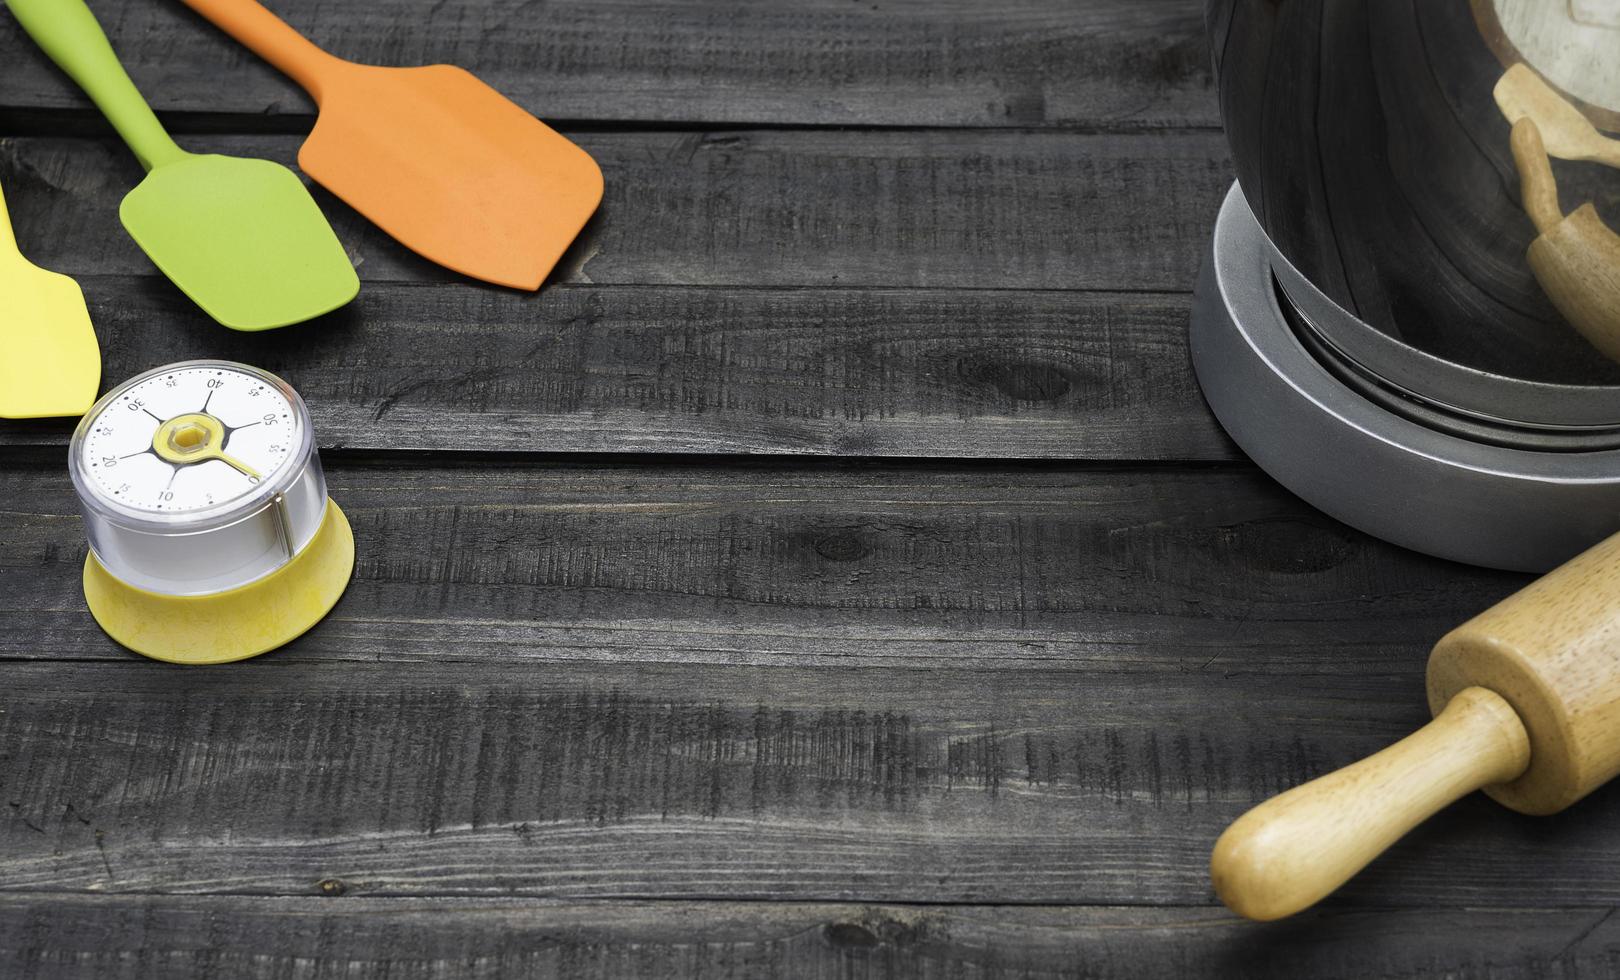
189, 439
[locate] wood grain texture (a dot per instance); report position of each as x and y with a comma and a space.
1117, 569
620, 780
758, 208
1293, 850
751, 683
693, 718
595, 780
1024, 63
135, 938
917, 373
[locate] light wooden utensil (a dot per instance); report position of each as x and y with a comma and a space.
1569, 135
1526, 703
1576, 259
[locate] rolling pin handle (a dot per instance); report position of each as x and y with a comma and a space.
1293, 850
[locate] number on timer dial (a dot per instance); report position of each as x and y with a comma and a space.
258, 425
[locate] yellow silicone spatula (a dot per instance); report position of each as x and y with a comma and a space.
49, 362
447, 165
241, 237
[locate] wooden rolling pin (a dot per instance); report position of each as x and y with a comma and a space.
1526, 703
1575, 258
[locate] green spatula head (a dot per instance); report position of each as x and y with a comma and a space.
242, 238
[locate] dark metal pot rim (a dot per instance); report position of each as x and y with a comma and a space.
1422, 378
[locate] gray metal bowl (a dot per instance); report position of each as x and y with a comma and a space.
1384, 230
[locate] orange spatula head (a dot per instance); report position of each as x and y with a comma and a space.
436, 158
452, 169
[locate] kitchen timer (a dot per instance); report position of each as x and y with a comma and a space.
211, 535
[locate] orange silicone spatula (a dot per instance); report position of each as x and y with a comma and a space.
436, 158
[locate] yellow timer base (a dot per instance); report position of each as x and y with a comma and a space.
231, 625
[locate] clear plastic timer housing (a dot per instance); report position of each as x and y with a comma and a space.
197, 477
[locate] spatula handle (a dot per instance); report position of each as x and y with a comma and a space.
67, 31
271, 39
1291, 851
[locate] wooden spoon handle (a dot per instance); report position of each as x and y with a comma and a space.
1576, 259
1536, 184
272, 39
1293, 850
1608, 153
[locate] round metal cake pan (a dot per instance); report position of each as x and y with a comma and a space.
1374, 468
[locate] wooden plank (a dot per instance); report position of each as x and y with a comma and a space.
597, 780
915, 685
1114, 63
1120, 569
994, 210
477, 776
107, 938
956, 373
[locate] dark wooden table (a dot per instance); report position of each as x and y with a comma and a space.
834, 571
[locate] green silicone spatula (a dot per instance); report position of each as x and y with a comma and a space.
241, 237
447, 165
49, 362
